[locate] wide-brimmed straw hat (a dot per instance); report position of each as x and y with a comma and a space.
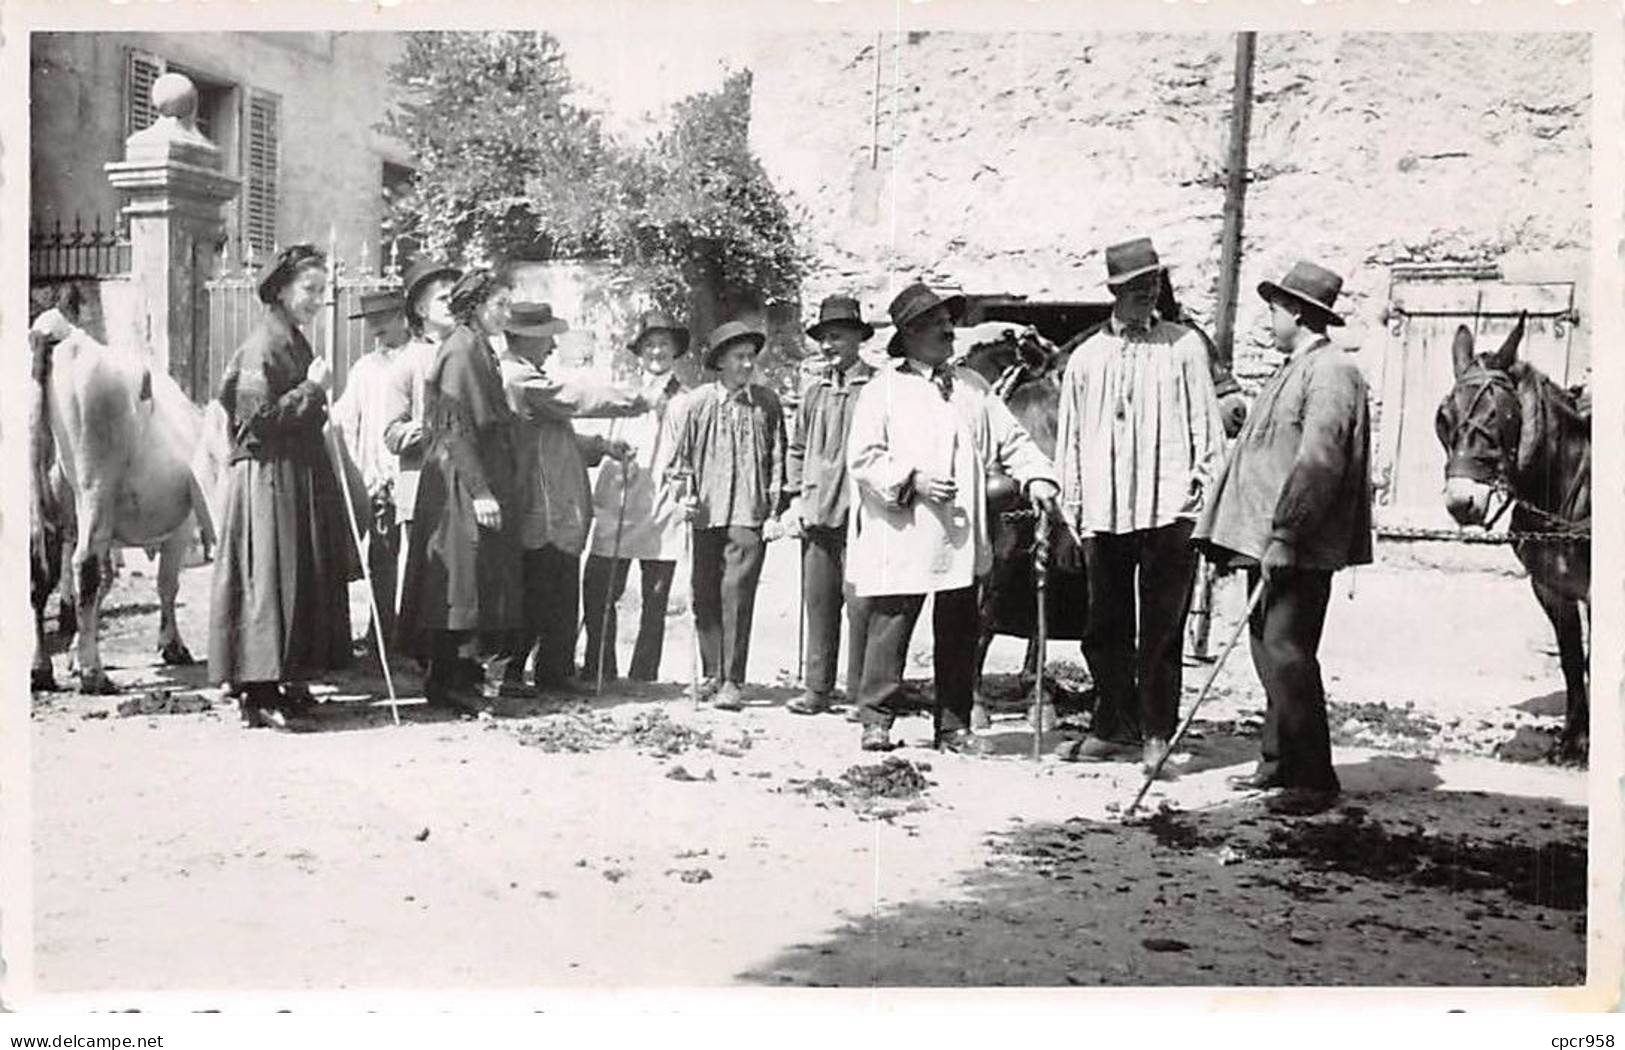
1307, 284
656, 321
726, 335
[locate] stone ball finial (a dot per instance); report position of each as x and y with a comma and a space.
174, 95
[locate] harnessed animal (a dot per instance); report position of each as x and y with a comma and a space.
1511, 434
117, 462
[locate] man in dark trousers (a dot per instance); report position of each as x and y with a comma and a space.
728, 437
818, 479
1139, 440
1292, 507
924, 436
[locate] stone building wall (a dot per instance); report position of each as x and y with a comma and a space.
1007, 162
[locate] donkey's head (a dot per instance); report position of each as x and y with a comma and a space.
1479, 425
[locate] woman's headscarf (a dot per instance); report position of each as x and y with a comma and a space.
471, 291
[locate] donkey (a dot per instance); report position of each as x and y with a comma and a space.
1511, 433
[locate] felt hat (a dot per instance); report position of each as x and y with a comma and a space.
837, 310
1131, 259
1307, 284
536, 319
424, 271
379, 304
915, 302
287, 264
726, 335
655, 321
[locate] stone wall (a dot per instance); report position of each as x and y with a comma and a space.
332, 88
1007, 162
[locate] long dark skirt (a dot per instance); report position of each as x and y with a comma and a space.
280, 607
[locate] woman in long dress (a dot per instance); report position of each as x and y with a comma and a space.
462, 595
280, 607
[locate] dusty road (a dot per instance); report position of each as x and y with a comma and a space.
638, 842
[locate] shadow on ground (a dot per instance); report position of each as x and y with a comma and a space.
1410, 886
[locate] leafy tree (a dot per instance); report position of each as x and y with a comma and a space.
510, 167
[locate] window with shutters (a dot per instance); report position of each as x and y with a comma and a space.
141, 69
261, 140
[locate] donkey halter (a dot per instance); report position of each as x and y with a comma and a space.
1482, 382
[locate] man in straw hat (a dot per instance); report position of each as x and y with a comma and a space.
1139, 439
729, 437
1292, 507
555, 502
924, 436
425, 299
361, 415
818, 482
635, 513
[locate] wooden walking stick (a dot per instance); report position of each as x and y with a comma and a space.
604, 640
1041, 579
337, 454
682, 480
1218, 665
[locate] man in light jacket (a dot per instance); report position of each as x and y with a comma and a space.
555, 503
1292, 507
924, 436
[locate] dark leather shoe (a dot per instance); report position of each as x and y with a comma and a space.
964, 742
1301, 802
460, 699
808, 703
1094, 749
1252, 782
876, 738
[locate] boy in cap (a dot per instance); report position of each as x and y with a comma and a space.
555, 503
729, 439
1138, 440
361, 415
635, 514
1291, 508
817, 478
924, 435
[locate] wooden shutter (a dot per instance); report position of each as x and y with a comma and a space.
261, 143
141, 70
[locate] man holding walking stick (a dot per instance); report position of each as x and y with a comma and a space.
1293, 506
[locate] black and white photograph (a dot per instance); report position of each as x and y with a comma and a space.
798, 497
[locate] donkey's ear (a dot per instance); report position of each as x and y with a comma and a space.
1461, 351
1508, 353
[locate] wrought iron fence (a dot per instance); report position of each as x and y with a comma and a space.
79, 251
233, 308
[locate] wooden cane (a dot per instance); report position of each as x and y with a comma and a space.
339, 466
1241, 628
604, 640
1041, 579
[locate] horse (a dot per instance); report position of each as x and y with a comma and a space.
118, 461
1022, 367
1510, 432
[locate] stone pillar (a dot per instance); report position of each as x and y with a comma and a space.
172, 178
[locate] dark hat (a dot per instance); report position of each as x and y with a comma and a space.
423, 271
839, 310
1131, 259
379, 304
472, 290
536, 319
914, 302
725, 335
1307, 285
654, 321
285, 267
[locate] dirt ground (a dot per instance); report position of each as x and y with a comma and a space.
636, 841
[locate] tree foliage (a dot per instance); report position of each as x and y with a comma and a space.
509, 165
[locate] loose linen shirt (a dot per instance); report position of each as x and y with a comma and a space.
361, 415
403, 406
1139, 434
899, 542
734, 443
634, 497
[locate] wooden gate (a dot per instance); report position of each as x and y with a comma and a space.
1426, 304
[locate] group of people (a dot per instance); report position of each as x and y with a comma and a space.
481, 506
